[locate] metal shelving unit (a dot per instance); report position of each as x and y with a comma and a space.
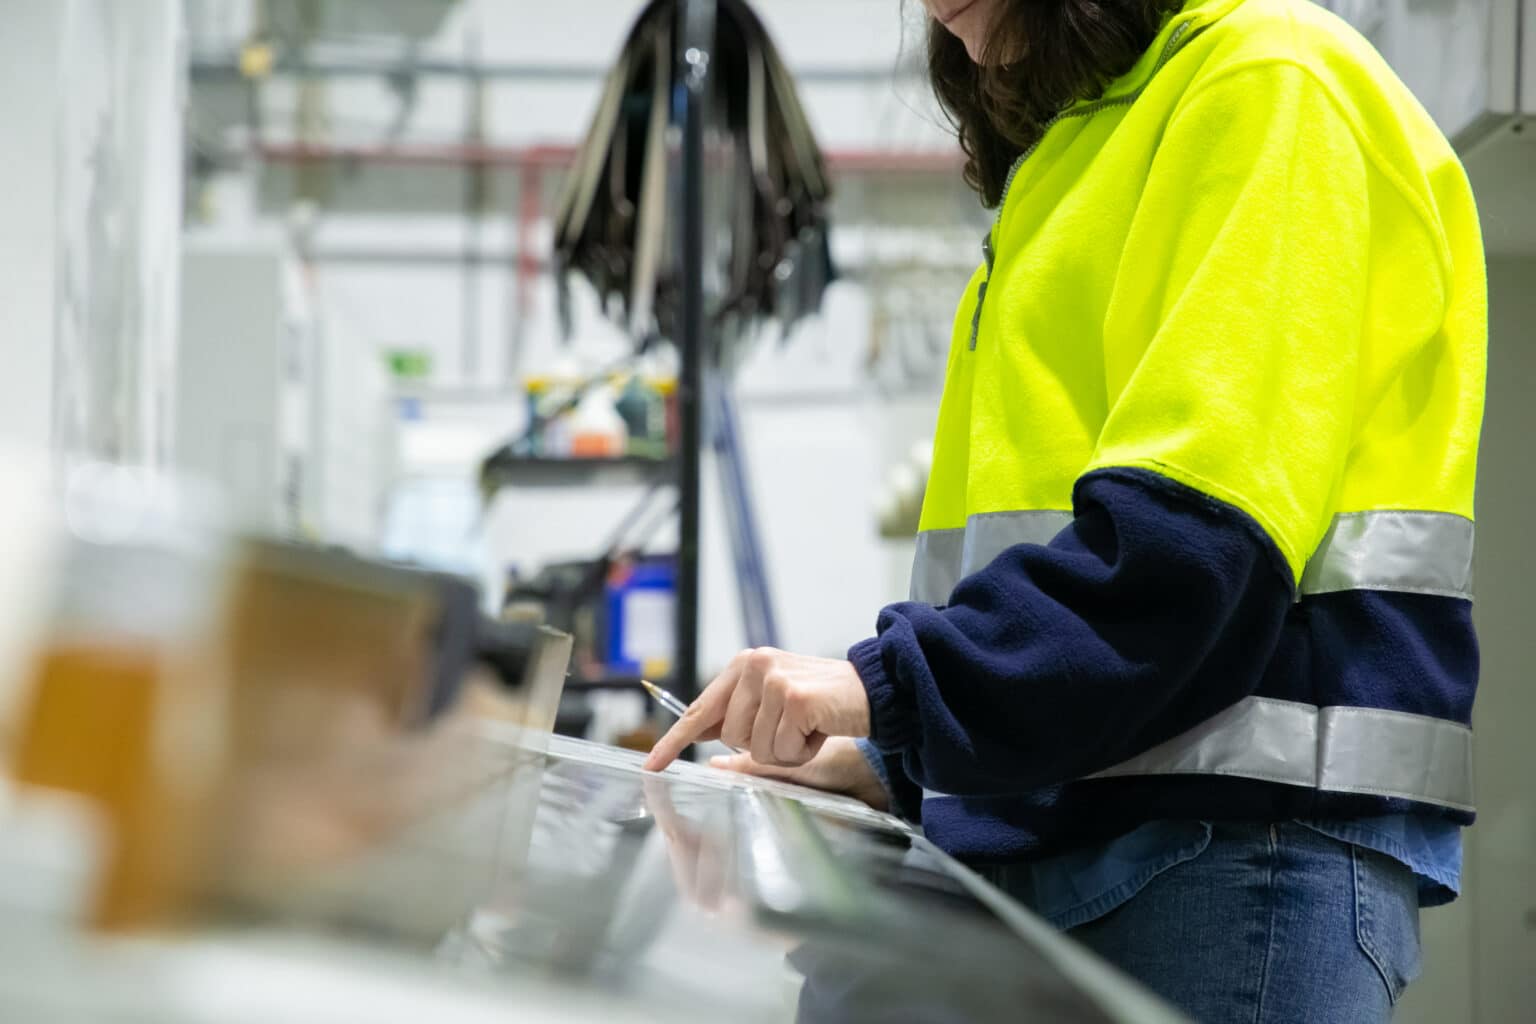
504, 468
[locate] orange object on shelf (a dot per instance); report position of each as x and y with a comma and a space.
596, 446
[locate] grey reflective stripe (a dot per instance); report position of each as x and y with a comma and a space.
1417, 552
936, 566
945, 557
1338, 749
1414, 552
989, 535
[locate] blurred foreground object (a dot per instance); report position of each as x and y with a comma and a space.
241, 715
322, 763
27, 549
355, 685
125, 704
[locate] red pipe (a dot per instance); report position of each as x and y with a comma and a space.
895, 161
455, 155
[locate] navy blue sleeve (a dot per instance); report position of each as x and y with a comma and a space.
906, 798
1156, 608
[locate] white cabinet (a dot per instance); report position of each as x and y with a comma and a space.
244, 383
282, 407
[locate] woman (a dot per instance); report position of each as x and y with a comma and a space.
1190, 660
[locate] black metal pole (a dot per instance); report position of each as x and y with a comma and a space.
696, 36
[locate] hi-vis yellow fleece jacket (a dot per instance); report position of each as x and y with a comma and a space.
1197, 540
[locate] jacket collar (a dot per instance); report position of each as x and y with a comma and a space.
1197, 14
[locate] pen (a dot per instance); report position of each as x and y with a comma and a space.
671, 703
664, 698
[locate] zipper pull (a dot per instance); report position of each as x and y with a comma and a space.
981, 291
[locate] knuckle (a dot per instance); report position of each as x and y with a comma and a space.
794, 744
761, 661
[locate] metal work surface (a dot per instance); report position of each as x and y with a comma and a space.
564, 883
763, 901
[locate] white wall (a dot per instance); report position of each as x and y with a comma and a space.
90, 96
119, 122
29, 77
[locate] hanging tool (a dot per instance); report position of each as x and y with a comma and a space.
616, 220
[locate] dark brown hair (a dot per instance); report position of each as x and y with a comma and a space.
1041, 56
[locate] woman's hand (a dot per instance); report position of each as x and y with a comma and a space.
838, 767
777, 706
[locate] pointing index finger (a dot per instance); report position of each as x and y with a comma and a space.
702, 715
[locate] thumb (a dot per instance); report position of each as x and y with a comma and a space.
744, 764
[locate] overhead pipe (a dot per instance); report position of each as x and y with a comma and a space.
557, 157
227, 67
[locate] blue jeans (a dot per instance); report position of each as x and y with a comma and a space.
1266, 924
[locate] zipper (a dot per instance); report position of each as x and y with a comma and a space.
981, 289
1180, 35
